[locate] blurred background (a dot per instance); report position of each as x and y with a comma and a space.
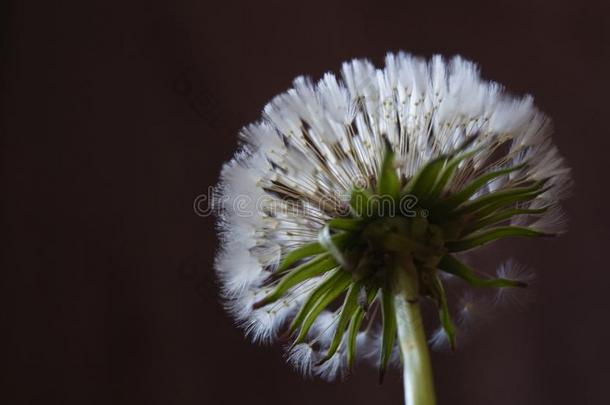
116, 116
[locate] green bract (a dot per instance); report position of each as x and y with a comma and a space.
416, 220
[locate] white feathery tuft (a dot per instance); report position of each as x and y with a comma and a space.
472, 309
471, 312
515, 297
439, 340
301, 358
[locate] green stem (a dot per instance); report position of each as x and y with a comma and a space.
417, 372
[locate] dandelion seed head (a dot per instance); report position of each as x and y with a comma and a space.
297, 170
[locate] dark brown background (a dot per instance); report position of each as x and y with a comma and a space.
115, 116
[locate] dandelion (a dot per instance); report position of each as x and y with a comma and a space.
352, 198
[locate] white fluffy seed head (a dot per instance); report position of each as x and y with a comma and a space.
315, 141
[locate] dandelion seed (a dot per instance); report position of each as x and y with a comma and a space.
511, 297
